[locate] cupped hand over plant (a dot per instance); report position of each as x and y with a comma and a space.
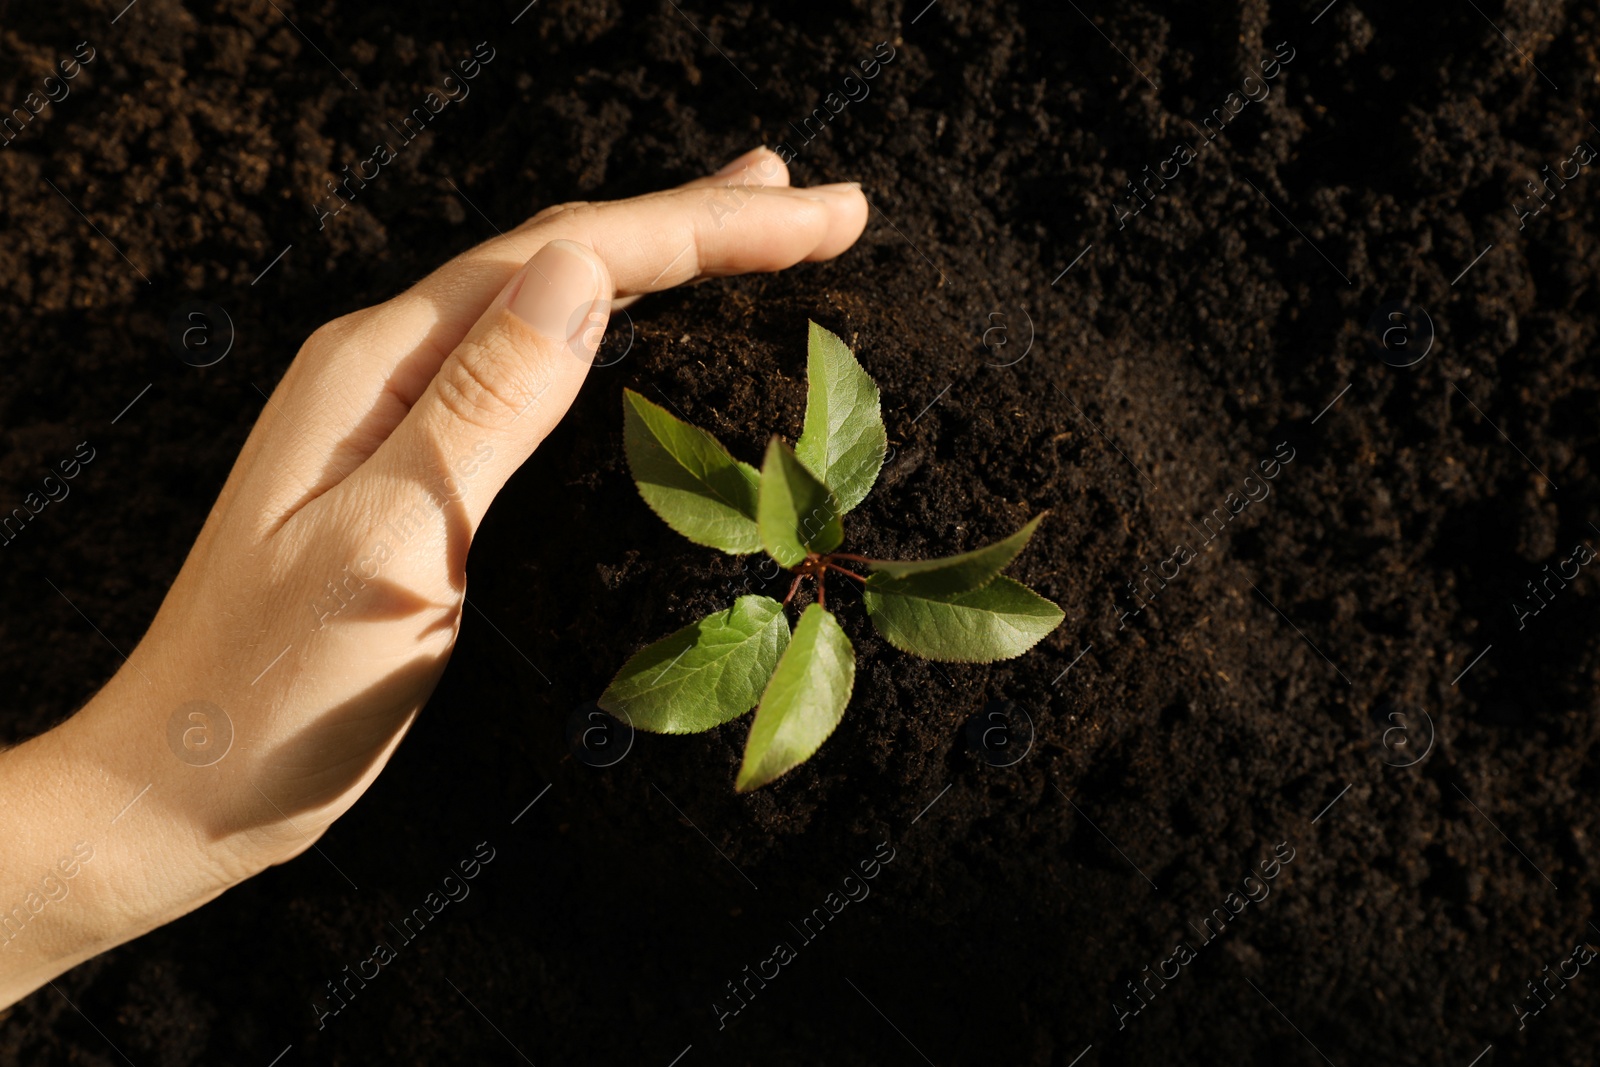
317, 609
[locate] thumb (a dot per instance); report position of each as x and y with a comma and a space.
505, 387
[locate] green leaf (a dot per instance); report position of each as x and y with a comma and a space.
804, 700
796, 515
955, 574
706, 673
689, 479
844, 441
997, 621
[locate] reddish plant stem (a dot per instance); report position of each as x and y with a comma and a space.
846, 573
822, 588
794, 588
852, 558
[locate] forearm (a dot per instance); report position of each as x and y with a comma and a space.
94, 852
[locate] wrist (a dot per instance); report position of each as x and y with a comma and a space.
152, 793
107, 845
108, 792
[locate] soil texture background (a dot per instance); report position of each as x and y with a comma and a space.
1342, 675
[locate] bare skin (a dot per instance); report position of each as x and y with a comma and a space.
324, 594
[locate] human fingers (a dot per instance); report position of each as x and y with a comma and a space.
759, 166
498, 394
359, 377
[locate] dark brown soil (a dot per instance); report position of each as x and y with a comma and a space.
1210, 333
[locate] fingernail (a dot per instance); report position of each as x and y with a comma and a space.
738, 164
836, 187
559, 286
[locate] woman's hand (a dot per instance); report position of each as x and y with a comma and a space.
316, 610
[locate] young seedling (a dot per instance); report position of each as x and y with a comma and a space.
959, 609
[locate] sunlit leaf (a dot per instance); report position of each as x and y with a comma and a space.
1000, 620
796, 514
954, 574
706, 673
803, 702
844, 440
689, 479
